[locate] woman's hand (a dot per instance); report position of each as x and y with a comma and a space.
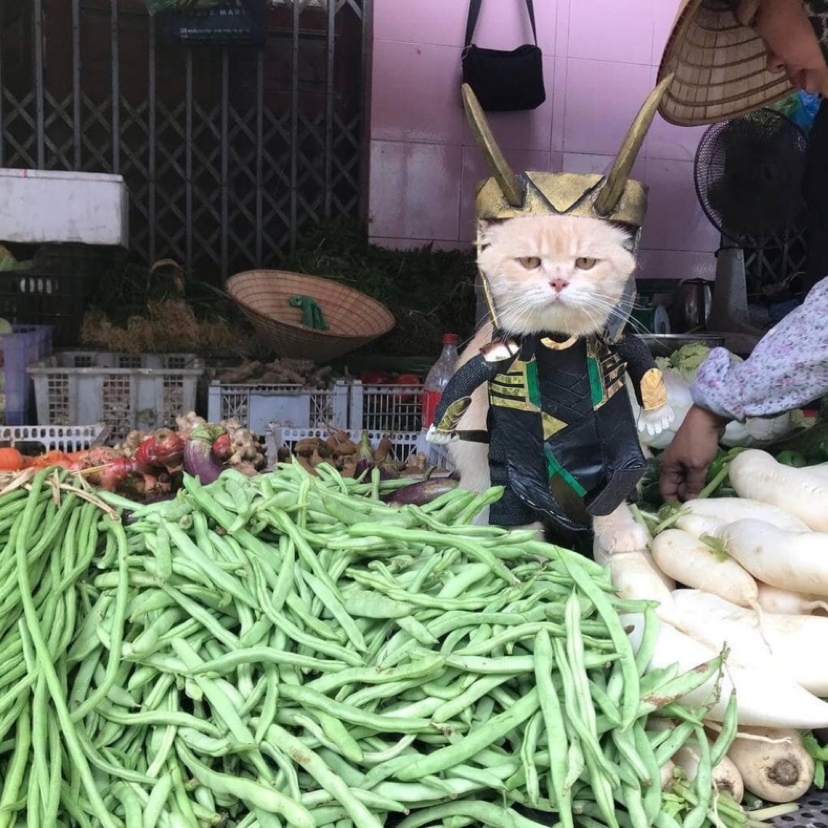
684, 464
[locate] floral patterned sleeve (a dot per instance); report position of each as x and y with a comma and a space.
787, 369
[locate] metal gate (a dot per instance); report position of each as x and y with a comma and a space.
229, 153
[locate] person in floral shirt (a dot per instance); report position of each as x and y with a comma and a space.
758, 51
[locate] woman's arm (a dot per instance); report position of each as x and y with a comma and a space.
787, 369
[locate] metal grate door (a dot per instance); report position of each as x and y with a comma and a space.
229, 153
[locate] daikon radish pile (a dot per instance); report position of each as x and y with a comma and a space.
601, 556
777, 770
697, 564
784, 602
765, 698
726, 776
796, 561
790, 645
636, 580
755, 474
709, 516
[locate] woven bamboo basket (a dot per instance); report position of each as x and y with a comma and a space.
353, 318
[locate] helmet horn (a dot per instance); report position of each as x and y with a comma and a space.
616, 181
503, 173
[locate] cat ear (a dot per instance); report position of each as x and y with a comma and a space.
616, 182
630, 241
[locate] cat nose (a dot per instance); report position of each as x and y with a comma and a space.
558, 283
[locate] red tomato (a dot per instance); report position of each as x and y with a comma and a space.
407, 379
374, 378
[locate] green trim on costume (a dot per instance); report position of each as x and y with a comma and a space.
595, 384
556, 468
532, 383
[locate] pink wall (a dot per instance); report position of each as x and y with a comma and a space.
601, 60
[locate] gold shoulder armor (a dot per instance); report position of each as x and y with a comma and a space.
500, 350
453, 414
653, 390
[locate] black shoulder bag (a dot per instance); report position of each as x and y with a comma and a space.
504, 81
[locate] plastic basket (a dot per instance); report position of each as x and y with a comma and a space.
386, 408
123, 391
26, 345
258, 406
55, 291
405, 443
52, 438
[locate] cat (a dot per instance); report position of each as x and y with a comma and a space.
549, 273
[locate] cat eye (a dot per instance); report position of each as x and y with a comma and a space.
585, 263
530, 262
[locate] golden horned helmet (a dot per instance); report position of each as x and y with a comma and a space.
614, 197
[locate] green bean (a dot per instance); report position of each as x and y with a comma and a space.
219, 701
727, 735
475, 741
16, 768
485, 813
157, 800
678, 736
266, 655
384, 724
52, 680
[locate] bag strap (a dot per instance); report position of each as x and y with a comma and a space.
474, 13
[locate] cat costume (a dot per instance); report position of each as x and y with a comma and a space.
563, 441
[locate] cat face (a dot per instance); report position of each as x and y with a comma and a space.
555, 273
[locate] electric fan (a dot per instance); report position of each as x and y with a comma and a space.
748, 176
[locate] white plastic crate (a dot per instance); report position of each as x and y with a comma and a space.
123, 391
52, 438
386, 408
258, 406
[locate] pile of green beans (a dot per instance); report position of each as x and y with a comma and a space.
287, 650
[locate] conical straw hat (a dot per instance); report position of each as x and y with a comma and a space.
720, 66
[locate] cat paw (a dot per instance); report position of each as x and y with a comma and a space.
440, 438
618, 539
654, 422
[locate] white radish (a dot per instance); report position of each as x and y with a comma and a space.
755, 474
696, 564
709, 516
668, 776
788, 645
602, 556
726, 776
636, 580
774, 771
783, 602
765, 699
796, 561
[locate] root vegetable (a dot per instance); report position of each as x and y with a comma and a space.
709, 516
695, 564
797, 561
384, 449
783, 602
601, 556
635, 579
668, 770
306, 447
766, 699
726, 776
785, 644
755, 474
774, 771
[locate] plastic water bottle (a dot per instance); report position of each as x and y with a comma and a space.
438, 377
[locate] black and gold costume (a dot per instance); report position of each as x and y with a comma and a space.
555, 412
557, 422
